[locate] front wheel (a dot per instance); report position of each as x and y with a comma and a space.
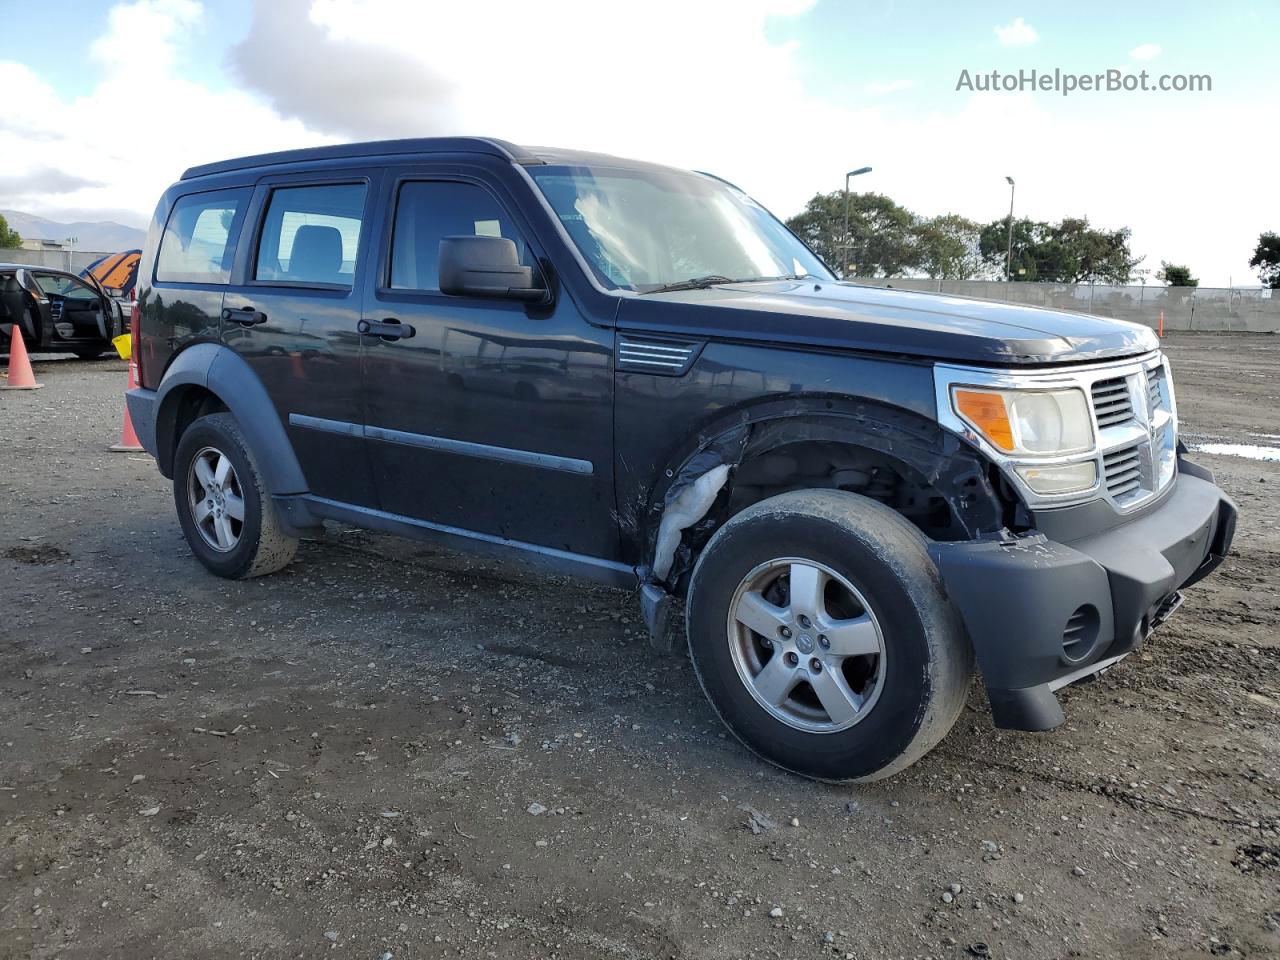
821, 635
223, 505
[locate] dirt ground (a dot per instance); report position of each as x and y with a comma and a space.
343, 759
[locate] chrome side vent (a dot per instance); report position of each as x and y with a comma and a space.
1122, 470
661, 357
1155, 398
1111, 401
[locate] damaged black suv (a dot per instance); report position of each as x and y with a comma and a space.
638, 375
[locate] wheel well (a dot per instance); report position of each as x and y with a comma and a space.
178, 413
894, 456
833, 465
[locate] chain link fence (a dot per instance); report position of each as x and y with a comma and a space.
1183, 308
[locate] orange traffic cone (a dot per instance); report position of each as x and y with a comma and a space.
20, 375
128, 439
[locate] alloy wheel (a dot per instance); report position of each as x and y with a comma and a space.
807, 645
216, 499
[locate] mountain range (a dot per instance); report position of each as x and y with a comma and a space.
105, 236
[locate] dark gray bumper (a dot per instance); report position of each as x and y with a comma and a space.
142, 411
1019, 598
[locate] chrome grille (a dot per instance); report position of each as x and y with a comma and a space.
1111, 401
1122, 471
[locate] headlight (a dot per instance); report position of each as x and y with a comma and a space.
1043, 423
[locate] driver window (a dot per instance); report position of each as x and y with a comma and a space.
429, 211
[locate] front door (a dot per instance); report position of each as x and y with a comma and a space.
495, 416
292, 315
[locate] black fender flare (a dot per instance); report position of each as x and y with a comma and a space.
953, 467
224, 373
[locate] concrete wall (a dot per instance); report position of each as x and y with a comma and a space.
1184, 308
55, 259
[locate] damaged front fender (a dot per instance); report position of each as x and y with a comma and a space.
949, 466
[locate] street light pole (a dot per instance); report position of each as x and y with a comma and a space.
1008, 255
844, 273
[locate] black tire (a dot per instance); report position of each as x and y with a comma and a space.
262, 546
928, 660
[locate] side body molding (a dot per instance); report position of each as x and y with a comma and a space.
222, 372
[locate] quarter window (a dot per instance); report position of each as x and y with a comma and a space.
429, 211
312, 234
197, 245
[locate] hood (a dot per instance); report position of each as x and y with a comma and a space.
906, 322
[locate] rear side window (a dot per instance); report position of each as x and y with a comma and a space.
426, 213
198, 241
311, 234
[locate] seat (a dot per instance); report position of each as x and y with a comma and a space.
316, 256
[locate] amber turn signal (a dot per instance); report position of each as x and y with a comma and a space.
988, 414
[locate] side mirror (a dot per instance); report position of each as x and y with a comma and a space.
486, 267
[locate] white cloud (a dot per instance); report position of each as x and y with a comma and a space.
1145, 51
1017, 34
888, 86
716, 94
118, 146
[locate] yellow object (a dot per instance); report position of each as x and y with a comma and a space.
123, 345
987, 412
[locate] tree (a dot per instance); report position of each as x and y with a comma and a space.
1066, 252
947, 247
1176, 275
881, 239
1266, 258
8, 238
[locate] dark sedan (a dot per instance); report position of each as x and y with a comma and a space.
57, 311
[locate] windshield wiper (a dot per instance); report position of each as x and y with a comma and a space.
711, 280
693, 283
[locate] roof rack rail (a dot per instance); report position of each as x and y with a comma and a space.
373, 148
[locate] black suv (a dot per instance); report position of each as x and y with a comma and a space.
637, 375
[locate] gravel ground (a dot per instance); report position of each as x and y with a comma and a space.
392, 750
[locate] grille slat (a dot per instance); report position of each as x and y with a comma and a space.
1111, 401
1122, 471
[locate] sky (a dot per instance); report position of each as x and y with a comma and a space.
106, 104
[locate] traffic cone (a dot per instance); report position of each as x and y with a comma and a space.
128, 439
20, 375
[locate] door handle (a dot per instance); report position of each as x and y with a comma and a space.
245, 316
389, 329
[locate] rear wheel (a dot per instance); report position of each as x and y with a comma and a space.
821, 635
223, 505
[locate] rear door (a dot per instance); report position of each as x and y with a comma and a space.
292, 314
495, 416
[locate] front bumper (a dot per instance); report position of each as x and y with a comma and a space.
1042, 613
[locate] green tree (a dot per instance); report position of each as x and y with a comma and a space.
1266, 259
881, 240
1066, 252
947, 247
8, 238
1176, 275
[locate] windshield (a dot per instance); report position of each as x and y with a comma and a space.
645, 230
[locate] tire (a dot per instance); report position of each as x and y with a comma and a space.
873, 586
88, 353
256, 544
